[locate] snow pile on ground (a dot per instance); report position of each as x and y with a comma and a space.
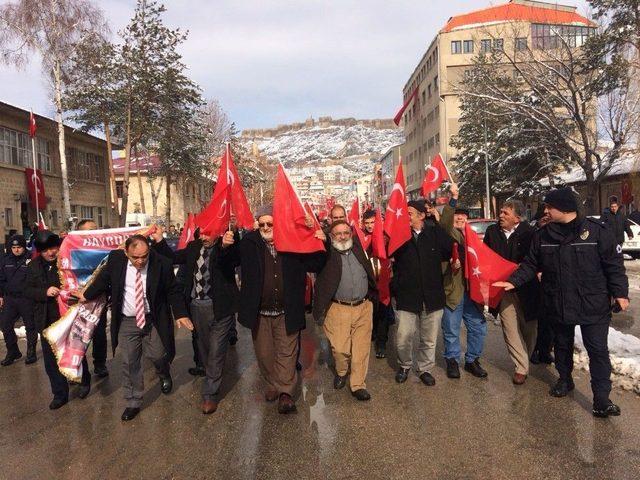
20, 332
624, 351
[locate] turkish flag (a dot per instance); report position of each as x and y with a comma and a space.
434, 176
398, 116
228, 197
309, 211
483, 267
396, 222
377, 238
35, 187
188, 232
354, 214
32, 125
384, 281
290, 233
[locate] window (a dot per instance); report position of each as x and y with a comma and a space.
437, 139
545, 37
8, 217
16, 149
100, 217
498, 44
468, 46
423, 96
54, 218
485, 45
120, 183
86, 212
435, 83
456, 47
521, 44
429, 89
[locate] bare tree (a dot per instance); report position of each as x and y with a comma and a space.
49, 28
559, 98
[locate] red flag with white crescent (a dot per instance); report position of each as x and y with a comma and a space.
32, 125
434, 176
35, 187
396, 222
188, 232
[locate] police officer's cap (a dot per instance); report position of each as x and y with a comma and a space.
18, 241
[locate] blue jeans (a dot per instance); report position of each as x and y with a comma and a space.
475, 324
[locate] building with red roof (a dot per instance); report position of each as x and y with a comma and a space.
431, 118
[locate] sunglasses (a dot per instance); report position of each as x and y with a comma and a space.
265, 224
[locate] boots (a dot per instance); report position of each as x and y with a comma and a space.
13, 354
31, 354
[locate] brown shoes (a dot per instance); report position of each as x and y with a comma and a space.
209, 406
519, 378
271, 395
286, 404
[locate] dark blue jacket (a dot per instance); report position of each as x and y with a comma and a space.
13, 274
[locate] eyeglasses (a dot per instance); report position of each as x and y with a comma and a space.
265, 224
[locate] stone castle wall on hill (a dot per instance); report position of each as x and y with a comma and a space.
322, 122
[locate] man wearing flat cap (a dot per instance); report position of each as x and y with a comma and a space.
583, 280
42, 289
418, 288
272, 303
13, 303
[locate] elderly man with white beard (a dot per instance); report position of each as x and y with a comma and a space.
345, 293
272, 303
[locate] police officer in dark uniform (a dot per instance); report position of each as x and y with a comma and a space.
582, 271
42, 289
13, 274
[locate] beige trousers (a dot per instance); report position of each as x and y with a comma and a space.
520, 336
348, 330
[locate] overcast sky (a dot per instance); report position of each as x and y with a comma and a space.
270, 62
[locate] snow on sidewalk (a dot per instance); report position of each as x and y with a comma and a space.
624, 351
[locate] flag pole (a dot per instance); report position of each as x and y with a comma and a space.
229, 153
35, 170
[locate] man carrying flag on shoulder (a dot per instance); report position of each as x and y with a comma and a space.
459, 305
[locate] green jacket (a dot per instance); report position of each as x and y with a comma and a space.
454, 283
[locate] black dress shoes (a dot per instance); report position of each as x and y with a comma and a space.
339, 382
453, 371
83, 391
56, 403
286, 404
10, 358
475, 369
166, 384
381, 351
129, 414
100, 370
402, 375
538, 357
427, 379
361, 395
31, 355
562, 388
197, 371
610, 410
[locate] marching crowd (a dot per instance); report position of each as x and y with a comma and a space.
570, 273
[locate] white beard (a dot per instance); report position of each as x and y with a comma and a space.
342, 246
267, 237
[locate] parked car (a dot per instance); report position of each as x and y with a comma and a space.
480, 225
630, 247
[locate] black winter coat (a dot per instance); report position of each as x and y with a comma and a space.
40, 276
582, 269
328, 281
417, 270
164, 295
515, 249
618, 224
224, 291
249, 254
13, 274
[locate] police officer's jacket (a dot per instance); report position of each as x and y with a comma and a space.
13, 274
582, 269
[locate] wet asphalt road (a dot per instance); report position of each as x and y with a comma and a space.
460, 429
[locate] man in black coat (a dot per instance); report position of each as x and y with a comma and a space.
582, 271
419, 291
272, 303
212, 298
13, 303
617, 221
518, 310
144, 297
43, 288
345, 293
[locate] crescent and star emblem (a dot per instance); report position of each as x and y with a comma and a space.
436, 173
476, 269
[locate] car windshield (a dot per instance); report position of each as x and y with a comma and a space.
480, 227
